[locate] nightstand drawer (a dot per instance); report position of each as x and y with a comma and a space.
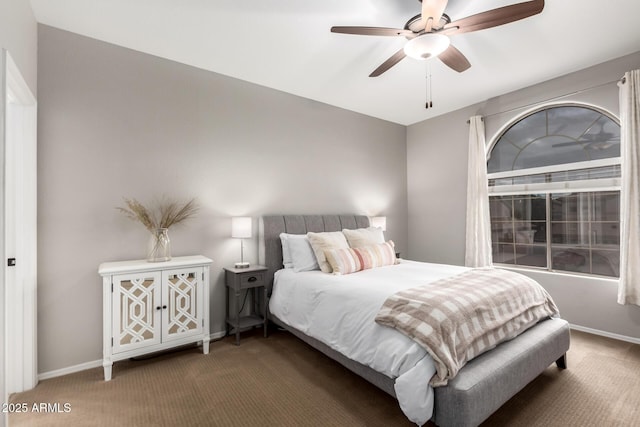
251, 280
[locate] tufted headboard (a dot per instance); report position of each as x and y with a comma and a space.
270, 246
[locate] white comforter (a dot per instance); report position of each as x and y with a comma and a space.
340, 312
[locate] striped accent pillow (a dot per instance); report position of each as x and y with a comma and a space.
350, 260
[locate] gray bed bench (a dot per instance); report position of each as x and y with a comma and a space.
481, 386
488, 381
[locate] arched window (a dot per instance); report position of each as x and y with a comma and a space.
554, 191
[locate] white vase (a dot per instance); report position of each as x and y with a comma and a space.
159, 247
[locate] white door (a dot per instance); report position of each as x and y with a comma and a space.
18, 231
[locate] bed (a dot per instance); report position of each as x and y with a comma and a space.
393, 362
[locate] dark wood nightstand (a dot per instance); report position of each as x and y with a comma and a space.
252, 279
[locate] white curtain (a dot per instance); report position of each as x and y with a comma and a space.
478, 240
629, 288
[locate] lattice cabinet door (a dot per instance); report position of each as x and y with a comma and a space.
182, 294
137, 309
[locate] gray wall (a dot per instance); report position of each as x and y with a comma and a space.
19, 35
437, 181
114, 122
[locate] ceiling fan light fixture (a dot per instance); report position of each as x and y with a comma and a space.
426, 46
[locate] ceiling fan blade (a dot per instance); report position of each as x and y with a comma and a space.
495, 17
393, 60
432, 11
372, 31
454, 59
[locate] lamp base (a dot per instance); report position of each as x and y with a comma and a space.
241, 265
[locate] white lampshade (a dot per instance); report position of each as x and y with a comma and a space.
426, 46
241, 227
379, 222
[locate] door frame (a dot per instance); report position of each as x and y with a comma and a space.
18, 314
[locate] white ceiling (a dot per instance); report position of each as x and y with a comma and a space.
287, 45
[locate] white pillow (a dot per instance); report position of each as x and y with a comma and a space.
321, 242
286, 254
364, 236
302, 256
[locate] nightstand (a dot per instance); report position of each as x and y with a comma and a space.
252, 279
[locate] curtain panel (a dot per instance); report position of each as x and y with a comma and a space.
478, 233
629, 287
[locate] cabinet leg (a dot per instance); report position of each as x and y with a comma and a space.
205, 345
107, 365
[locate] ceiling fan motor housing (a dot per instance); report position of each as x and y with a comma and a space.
416, 24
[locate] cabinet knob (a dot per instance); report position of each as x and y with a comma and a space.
164, 307
158, 308
252, 279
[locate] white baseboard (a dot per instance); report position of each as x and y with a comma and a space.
605, 334
69, 370
97, 363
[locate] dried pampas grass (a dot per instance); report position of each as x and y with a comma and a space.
165, 213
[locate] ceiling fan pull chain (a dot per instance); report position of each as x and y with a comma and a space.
430, 88
429, 91
426, 85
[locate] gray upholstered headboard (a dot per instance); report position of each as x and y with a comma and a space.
270, 246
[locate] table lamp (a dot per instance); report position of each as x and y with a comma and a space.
241, 229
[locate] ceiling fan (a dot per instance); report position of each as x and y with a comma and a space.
428, 32
594, 141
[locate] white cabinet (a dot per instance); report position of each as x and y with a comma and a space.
149, 307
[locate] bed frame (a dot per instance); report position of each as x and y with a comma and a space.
481, 386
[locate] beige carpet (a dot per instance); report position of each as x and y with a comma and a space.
600, 388
279, 381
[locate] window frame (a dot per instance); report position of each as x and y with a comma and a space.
549, 188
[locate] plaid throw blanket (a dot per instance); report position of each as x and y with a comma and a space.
458, 318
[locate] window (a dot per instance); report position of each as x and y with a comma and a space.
554, 191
